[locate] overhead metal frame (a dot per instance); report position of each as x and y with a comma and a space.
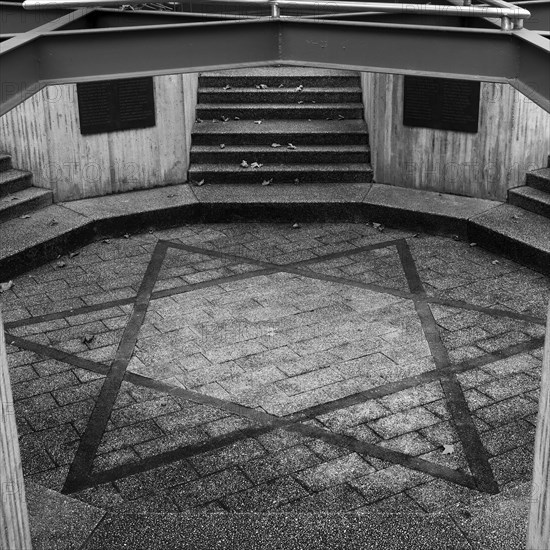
83, 45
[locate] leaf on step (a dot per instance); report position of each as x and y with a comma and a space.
127, 235
472, 245
222, 145
300, 102
236, 118
299, 88
296, 226
225, 119
340, 117
262, 86
25, 217
257, 122
267, 182
73, 254
198, 120
215, 120
281, 85
244, 164
290, 146
53, 222
275, 145
256, 165
296, 181
378, 226
199, 183
495, 262
15, 198
106, 241
88, 338
227, 87
448, 449
60, 264
4, 287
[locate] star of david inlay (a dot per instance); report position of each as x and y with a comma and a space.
478, 475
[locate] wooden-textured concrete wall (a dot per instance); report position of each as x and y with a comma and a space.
513, 137
14, 520
539, 519
43, 136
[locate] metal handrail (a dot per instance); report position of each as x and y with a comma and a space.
511, 16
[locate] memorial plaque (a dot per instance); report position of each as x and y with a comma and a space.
441, 103
115, 105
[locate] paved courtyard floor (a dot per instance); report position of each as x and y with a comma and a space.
320, 368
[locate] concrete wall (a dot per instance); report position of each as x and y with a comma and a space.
513, 137
43, 136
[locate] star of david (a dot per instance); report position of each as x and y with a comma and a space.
81, 475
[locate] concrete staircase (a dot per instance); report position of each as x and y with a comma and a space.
17, 195
535, 194
289, 124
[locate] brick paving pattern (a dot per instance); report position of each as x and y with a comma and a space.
258, 367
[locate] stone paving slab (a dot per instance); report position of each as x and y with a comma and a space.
268, 384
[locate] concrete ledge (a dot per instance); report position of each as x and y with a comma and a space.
61, 228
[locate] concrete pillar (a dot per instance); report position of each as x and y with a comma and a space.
14, 521
538, 537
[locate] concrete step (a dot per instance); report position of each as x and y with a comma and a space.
24, 202
281, 173
246, 111
521, 235
539, 179
13, 180
274, 76
303, 154
5, 162
530, 198
314, 132
350, 94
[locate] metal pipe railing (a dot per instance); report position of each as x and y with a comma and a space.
511, 16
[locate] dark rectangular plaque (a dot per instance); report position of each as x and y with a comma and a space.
115, 105
441, 103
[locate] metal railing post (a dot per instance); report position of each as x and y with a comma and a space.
505, 24
275, 9
14, 520
538, 535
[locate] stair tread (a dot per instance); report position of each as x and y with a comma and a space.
532, 193
354, 105
234, 167
12, 174
517, 224
297, 126
280, 71
22, 196
287, 89
267, 148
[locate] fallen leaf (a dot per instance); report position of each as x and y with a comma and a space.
6, 286
299, 88
127, 236
281, 85
290, 146
262, 86
275, 145
236, 118
244, 164
73, 254
340, 117
257, 122
227, 87
300, 102
15, 198
25, 217
448, 449
225, 119
222, 145
53, 222
199, 183
296, 181
296, 226
88, 338
106, 241
473, 244
456, 238
378, 226
495, 262
60, 264
416, 235
267, 182
198, 120
256, 165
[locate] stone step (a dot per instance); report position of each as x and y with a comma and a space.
323, 111
5, 162
539, 179
350, 94
314, 132
530, 198
521, 235
290, 77
24, 202
13, 180
281, 173
303, 154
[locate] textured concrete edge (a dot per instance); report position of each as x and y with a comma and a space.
355, 210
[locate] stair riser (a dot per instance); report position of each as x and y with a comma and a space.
542, 184
5, 164
527, 203
289, 113
260, 96
244, 81
17, 184
256, 177
26, 207
268, 138
283, 156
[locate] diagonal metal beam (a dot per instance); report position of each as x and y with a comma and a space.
14, 19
